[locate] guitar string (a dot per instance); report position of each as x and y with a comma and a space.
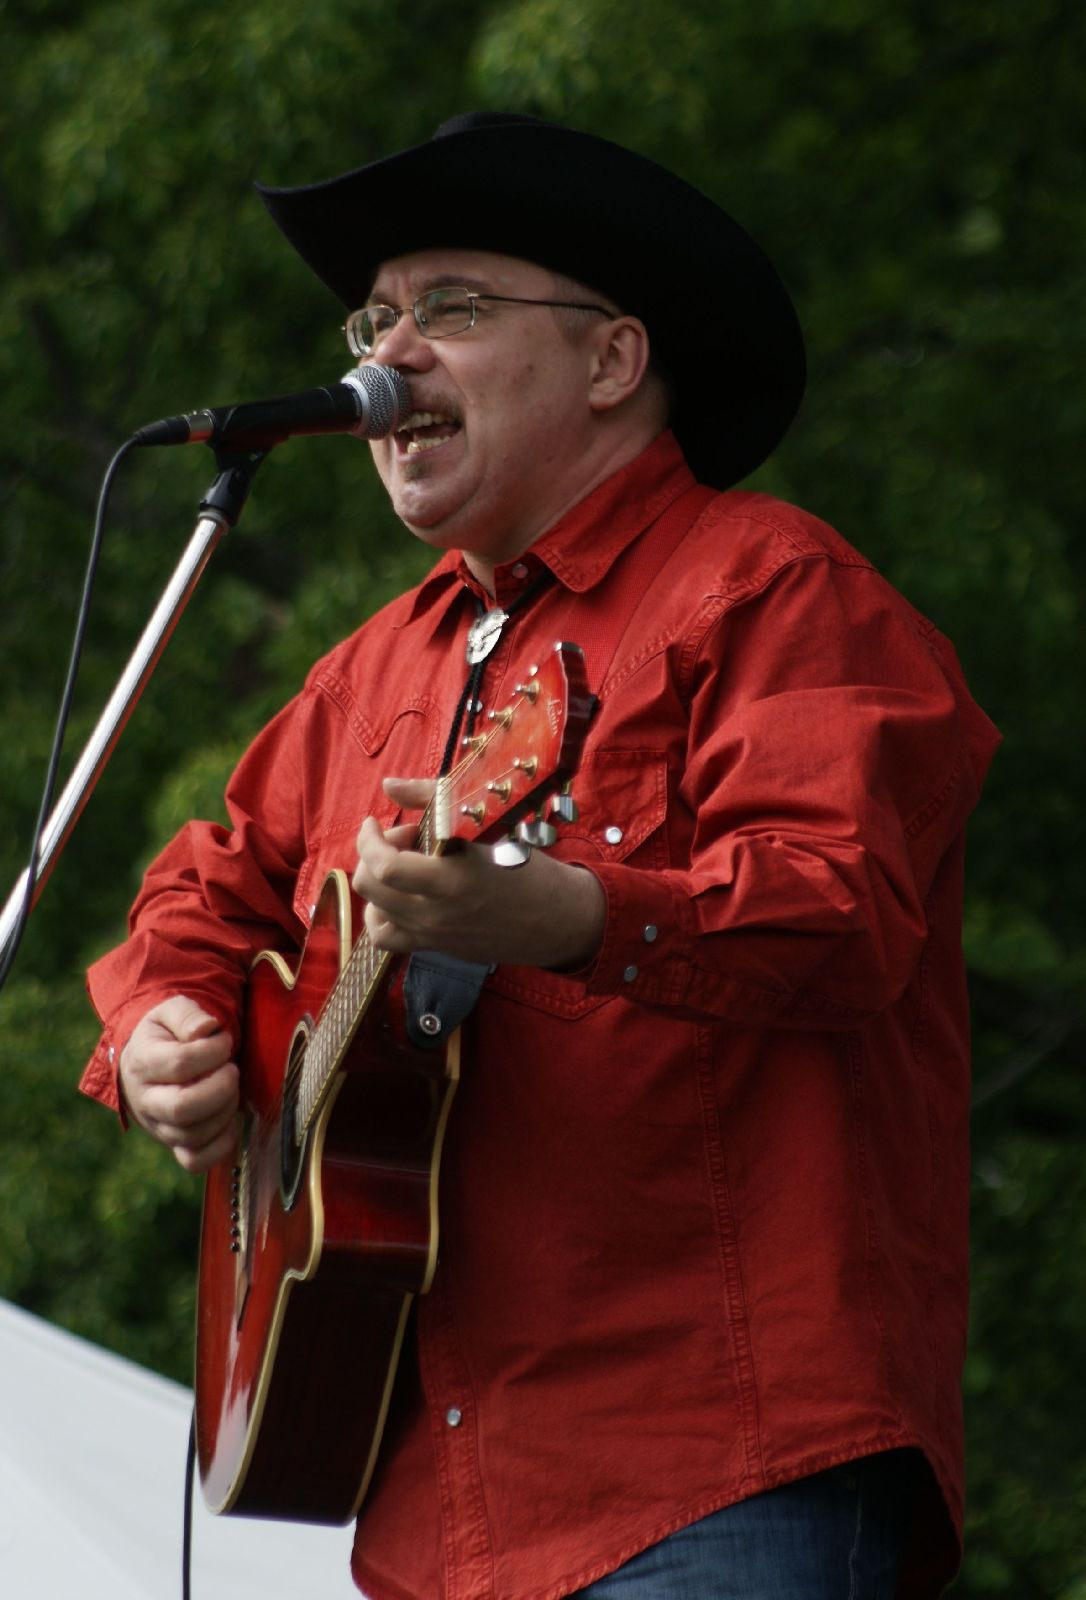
344, 1005
321, 1057
353, 990
357, 980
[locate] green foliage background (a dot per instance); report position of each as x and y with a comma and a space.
917, 169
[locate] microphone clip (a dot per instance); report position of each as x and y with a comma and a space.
228, 493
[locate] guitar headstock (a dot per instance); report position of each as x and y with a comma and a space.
523, 753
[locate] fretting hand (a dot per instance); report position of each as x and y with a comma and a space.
544, 914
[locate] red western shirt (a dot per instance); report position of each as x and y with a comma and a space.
703, 1205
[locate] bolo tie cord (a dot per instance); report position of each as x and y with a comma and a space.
469, 701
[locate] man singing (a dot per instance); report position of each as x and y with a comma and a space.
699, 1317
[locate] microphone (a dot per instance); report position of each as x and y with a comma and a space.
369, 402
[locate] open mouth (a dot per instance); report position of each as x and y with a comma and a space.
424, 430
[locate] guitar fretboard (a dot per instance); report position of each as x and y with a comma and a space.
352, 993
503, 772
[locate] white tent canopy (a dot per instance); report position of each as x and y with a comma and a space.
92, 1474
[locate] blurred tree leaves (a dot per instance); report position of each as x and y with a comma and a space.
917, 171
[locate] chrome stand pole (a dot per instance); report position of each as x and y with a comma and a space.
218, 512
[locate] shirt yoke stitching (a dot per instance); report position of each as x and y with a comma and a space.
365, 732
717, 603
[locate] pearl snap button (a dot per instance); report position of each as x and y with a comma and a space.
454, 1416
649, 932
613, 835
630, 974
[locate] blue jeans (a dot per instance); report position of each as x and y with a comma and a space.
836, 1536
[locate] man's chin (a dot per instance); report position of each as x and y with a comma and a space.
431, 522
423, 499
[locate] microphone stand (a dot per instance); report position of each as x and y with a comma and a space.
219, 510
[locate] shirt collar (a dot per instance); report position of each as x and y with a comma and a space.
582, 546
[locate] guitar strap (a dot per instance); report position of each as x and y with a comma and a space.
439, 991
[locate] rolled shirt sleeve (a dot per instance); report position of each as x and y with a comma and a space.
833, 756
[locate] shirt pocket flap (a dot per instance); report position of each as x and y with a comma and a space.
621, 799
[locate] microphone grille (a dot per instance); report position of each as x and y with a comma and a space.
384, 397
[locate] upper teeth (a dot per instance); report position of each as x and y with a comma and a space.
422, 419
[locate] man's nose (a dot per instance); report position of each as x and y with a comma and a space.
404, 346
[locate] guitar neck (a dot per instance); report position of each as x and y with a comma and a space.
360, 979
528, 747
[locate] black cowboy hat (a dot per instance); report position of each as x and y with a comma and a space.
720, 321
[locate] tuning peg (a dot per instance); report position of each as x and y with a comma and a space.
563, 807
511, 852
537, 833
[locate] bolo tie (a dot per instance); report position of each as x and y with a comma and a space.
483, 636
440, 990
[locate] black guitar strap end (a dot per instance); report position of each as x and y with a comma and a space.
439, 991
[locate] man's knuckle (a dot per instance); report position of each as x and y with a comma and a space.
386, 871
176, 1107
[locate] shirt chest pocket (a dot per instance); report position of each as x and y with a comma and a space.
622, 805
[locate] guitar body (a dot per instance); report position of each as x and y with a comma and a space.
323, 1227
310, 1258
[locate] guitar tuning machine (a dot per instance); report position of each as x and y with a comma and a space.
511, 852
563, 807
537, 833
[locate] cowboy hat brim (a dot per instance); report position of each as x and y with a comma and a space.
719, 319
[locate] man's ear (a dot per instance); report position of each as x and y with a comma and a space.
620, 359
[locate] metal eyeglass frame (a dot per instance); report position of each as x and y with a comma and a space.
360, 347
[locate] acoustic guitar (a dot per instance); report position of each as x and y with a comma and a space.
323, 1227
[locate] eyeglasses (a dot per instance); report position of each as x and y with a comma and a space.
438, 315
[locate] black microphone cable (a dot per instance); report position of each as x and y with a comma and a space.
68, 695
368, 402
